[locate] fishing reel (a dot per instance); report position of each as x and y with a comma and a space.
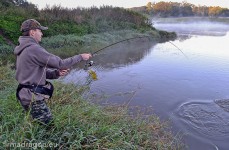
88, 64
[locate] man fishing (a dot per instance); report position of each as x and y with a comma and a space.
34, 65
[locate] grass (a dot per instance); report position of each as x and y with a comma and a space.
79, 124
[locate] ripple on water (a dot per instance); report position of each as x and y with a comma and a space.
223, 103
206, 117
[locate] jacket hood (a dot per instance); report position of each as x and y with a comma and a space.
24, 41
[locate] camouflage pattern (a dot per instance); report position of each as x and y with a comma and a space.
35, 103
31, 24
40, 112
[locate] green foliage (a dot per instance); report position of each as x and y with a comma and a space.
8, 24
6, 79
6, 54
57, 28
6, 3
12, 14
2, 40
80, 21
164, 36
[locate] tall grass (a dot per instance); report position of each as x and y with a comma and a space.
79, 124
6, 54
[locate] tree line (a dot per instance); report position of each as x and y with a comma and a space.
183, 9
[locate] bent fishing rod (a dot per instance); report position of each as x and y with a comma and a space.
119, 42
90, 63
178, 48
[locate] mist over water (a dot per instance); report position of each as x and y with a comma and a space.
193, 27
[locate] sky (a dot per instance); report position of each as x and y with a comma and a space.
121, 3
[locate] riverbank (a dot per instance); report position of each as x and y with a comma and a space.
79, 124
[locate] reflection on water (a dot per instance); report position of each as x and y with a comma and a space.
223, 103
122, 54
191, 92
206, 118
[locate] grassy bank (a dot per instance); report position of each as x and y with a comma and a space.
68, 45
78, 123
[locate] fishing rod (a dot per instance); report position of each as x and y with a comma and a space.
119, 42
178, 49
90, 63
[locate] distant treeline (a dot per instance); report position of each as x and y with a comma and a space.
184, 9
79, 21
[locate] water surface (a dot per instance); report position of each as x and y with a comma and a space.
191, 90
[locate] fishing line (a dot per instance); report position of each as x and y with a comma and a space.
92, 75
117, 43
178, 48
135, 38
90, 63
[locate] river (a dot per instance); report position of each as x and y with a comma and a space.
189, 88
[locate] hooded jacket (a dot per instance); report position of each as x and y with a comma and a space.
33, 61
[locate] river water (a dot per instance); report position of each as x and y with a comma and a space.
191, 89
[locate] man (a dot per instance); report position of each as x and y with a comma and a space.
34, 65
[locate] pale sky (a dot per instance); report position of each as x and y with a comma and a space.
121, 3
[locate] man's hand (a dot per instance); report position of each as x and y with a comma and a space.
63, 72
86, 56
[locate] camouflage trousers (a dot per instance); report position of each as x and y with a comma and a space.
32, 99
40, 112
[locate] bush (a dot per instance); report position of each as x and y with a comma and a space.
6, 54
164, 35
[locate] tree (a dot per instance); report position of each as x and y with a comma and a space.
200, 10
186, 9
225, 12
149, 6
163, 8
6, 3
215, 11
175, 11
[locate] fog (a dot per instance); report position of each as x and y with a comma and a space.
195, 28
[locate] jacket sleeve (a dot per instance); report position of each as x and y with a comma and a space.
44, 58
52, 74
